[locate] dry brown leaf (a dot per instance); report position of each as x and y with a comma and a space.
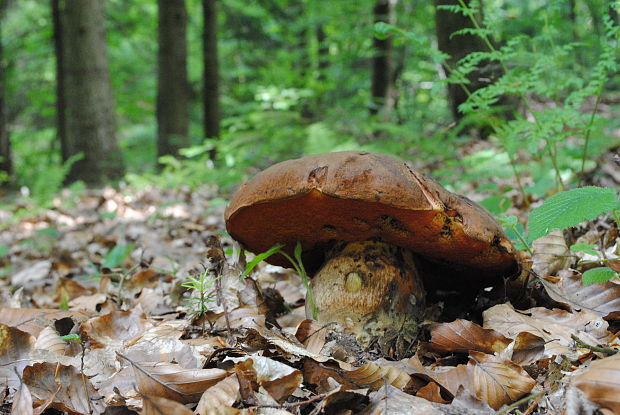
171, 381
392, 401
248, 384
218, 399
463, 336
22, 401
492, 379
601, 299
312, 335
69, 389
601, 382
33, 320
287, 345
88, 302
554, 326
68, 289
279, 379
115, 329
241, 317
15, 348
374, 376
550, 254
50, 340
431, 392
154, 405
528, 348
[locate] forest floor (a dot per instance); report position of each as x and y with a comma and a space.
101, 320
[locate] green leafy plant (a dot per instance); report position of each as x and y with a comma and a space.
297, 263
202, 287
596, 275
117, 255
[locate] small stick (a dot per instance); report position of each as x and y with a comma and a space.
609, 351
290, 405
216, 255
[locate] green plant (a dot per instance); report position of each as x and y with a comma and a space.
117, 255
202, 289
297, 265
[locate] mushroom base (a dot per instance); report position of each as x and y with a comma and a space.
373, 289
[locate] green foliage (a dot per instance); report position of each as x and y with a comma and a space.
115, 257
598, 275
569, 208
260, 257
589, 249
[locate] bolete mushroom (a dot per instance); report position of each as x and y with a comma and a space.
362, 220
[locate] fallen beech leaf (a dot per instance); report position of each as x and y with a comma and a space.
286, 344
601, 382
244, 316
492, 379
115, 329
246, 376
218, 399
154, 405
22, 401
528, 348
171, 381
50, 340
431, 392
463, 336
279, 379
554, 326
374, 376
15, 348
68, 389
601, 299
88, 302
392, 401
550, 253
312, 335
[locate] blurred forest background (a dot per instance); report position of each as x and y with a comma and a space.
514, 97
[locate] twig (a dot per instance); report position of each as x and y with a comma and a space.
290, 405
609, 351
520, 401
218, 259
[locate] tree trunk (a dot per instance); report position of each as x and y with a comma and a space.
61, 120
172, 83
5, 143
89, 106
382, 70
211, 72
459, 46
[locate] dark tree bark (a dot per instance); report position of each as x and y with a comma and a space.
211, 72
323, 52
382, 68
172, 83
459, 46
61, 121
88, 103
6, 164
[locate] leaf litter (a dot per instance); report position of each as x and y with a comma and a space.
93, 316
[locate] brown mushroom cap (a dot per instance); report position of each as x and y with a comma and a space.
357, 196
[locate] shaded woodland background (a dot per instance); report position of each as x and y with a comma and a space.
175, 92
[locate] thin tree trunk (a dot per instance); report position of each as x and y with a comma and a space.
172, 83
88, 102
61, 121
459, 46
211, 72
382, 70
6, 161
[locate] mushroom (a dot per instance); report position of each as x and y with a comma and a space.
363, 221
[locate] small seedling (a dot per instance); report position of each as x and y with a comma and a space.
202, 286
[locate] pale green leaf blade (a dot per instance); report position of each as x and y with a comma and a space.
260, 257
596, 275
569, 208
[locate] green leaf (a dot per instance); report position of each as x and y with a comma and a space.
117, 255
260, 257
4, 249
587, 248
596, 275
569, 208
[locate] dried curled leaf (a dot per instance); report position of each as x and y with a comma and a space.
601, 299
550, 253
374, 376
50, 340
601, 382
22, 401
463, 336
171, 381
218, 399
492, 379
15, 348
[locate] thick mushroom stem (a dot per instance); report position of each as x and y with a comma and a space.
372, 288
